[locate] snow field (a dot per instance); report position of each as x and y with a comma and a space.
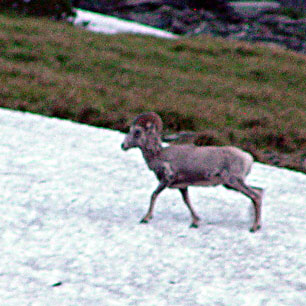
70, 206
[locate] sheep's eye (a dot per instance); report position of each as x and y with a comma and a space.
137, 134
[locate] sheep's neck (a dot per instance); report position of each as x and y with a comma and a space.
152, 147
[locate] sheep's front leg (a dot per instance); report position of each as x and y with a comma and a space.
195, 218
158, 190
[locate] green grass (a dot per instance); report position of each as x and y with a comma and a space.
248, 95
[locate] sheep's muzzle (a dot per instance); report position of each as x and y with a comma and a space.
124, 147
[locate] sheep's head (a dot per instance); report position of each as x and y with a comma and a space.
143, 125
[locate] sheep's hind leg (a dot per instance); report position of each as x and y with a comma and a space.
195, 218
254, 193
158, 190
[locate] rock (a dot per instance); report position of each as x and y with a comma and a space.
203, 28
250, 21
178, 27
274, 19
293, 44
153, 19
250, 10
303, 48
296, 4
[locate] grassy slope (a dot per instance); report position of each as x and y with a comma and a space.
234, 92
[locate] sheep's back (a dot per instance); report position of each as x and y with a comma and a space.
211, 160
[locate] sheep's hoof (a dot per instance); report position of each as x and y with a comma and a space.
194, 225
255, 228
145, 220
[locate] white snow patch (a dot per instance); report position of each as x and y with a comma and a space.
112, 25
70, 206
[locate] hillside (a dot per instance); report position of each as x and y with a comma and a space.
232, 92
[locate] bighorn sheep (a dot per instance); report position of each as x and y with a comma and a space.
180, 166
